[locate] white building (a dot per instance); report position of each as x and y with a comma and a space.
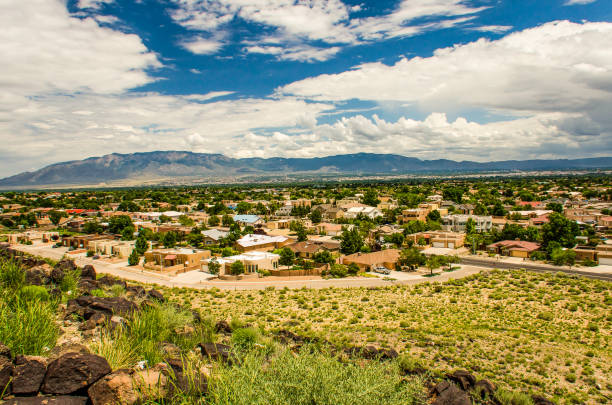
370, 212
457, 223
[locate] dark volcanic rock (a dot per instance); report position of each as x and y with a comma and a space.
216, 351
540, 400
114, 388
88, 272
61, 400
5, 351
485, 388
28, 374
6, 371
86, 306
449, 394
73, 372
156, 295
463, 378
135, 291
372, 353
59, 351
223, 327
88, 285
108, 281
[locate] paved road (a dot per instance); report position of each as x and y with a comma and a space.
540, 268
127, 273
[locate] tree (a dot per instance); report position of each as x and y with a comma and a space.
370, 197
214, 266
480, 209
118, 223
302, 235
134, 258
470, 226
560, 229
227, 220
563, 256
352, 268
396, 238
434, 216
164, 218
556, 207
186, 221
498, 209
56, 216
237, 268
92, 227
316, 216
287, 256
141, 245
243, 207
213, 220
169, 240
127, 233
453, 193
351, 242
412, 258
324, 256
433, 262
450, 260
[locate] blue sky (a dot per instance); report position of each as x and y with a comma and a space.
466, 80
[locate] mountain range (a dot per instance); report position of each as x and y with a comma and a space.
180, 167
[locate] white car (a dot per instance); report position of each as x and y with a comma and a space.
381, 270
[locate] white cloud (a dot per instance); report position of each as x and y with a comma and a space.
208, 96
301, 53
202, 46
93, 4
300, 24
559, 66
578, 2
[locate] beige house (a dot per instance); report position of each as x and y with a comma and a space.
31, 236
387, 258
252, 261
439, 239
261, 242
175, 260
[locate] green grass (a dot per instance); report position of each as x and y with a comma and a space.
28, 326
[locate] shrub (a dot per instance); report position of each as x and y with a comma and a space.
512, 398
311, 377
34, 293
28, 326
70, 280
338, 270
12, 277
245, 338
545, 316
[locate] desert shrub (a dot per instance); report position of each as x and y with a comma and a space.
546, 316
28, 326
117, 348
310, 377
70, 280
244, 338
12, 277
512, 398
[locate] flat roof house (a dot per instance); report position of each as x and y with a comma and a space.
457, 223
247, 219
213, 236
175, 260
308, 248
387, 258
253, 261
261, 242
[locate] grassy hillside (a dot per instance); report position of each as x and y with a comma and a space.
526, 331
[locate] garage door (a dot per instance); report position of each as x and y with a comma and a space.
451, 245
438, 244
605, 260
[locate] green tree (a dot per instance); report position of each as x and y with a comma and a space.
324, 256
92, 227
412, 258
237, 268
434, 262
287, 256
243, 207
134, 258
563, 256
186, 221
127, 233
226, 220
470, 226
56, 216
352, 269
434, 216
453, 193
498, 209
214, 266
118, 223
560, 229
480, 209
169, 240
142, 245
213, 220
164, 218
316, 216
350, 241
556, 207
370, 197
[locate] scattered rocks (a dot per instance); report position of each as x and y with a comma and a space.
108, 281
73, 372
463, 378
114, 388
372, 353
88, 272
156, 295
485, 388
87, 306
447, 393
135, 291
28, 374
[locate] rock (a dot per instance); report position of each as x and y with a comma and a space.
107, 281
73, 372
152, 382
216, 351
463, 378
540, 400
39, 275
223, 327
449, 394
88, 325
59, 351
6, 371
116, 321
485, 388
156, 295
87, 306
28, 374
66, 265
88, 272
197, 318
372, 353
192, 385
170, 349
114, 388
5, 351
57, 275
61, 400
135, 291
88, 285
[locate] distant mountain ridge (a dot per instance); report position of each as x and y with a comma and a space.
182, 166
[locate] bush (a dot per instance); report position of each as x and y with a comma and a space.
70, 280
12, 277
34, 293
245, 338
311, 377
338, 270
512, 398
28, 326
546, 316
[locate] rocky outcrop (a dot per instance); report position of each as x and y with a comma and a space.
447, 393
28, 374
88, 272
6, 371
74, 372
87, 306
59, 400
217, 351
114, 388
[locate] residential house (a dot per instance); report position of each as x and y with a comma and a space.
369, 212
261, 242
513, 248
213, 236
387, 258
175, 260
250, 220
326, 228
457, 223
252, 261
439, 239
307, 249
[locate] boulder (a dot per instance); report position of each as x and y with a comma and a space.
28, 374
447, 393
216, 351
108, 281
153, 382
6, 371
88, 272
170, 349
61, 400
87, 306
485, 388
88, 285
59, 351
372, 353
39, 275
66, 265
223, 327
114, 388
540, 400
156, 295
73, 372
135, 291
5, 351
463, 378
57, 275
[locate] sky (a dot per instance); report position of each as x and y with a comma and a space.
473, 80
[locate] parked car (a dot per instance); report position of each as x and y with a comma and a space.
381, 270
96, 257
